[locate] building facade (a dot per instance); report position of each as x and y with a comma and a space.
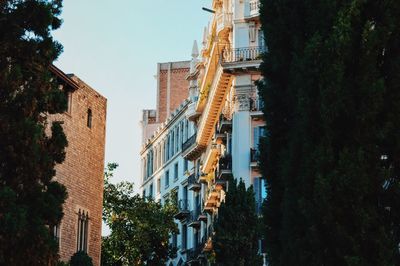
84, 125
224, 112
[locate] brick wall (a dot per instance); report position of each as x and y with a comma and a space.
178, 89
82, 170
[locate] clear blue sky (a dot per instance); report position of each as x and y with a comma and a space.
114, 46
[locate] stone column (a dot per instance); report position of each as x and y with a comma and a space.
241, 130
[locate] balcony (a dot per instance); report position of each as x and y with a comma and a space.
211, 155
256, 105
224, 23
213, 106
193, 184
254, 8
224, 125
242, 59
242, 54
254, 157
224, 170
183, 210
191, 113
188, 143
194, 255
193, 219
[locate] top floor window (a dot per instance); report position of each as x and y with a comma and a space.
89, 118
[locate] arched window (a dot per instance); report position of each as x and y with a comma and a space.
89, 118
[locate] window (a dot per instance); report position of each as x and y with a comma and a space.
56, 233
158, 185
181, 138
172, 144
83, 227
144, 193
258, 133
151, 191
177, 140
68, 95
184, 236
174, 240
185, 165
260, 192
186, 130
167, 179
176, 171
89, 118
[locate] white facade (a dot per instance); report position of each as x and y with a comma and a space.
225, 121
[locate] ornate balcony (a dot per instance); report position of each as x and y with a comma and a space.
243, 54
191, 113
224, 22
254, 8
188, 143
256, 104
193, 184
211, 156
224, 125
183, 210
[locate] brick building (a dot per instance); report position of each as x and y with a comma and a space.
171, 92
82, 171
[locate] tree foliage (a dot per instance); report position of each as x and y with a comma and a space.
236, 228
140, 228
30, 201
81, 258
332, 157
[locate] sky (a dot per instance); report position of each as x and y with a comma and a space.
114, 46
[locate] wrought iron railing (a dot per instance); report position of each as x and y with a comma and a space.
254, 155
183, 205
242, 54
186, 145
192, 180
254, 6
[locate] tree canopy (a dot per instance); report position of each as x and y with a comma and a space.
30, 200
236, 229
332, 158
140, 227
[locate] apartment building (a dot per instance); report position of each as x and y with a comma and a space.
84, 125
225, 120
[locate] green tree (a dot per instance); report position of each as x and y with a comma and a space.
30, 200
332, 157
81, 258
140, 228
236, 229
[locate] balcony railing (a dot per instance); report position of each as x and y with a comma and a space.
193, 219
187, 144
193, 184
242, 54
254, 155
224, 167
224, 20
254, 7
183, 209
193, 254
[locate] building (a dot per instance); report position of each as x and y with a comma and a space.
223, 111
84, 124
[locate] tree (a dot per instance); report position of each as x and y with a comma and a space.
140, 228
332, 156
30, 200
236, 228
81, 258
